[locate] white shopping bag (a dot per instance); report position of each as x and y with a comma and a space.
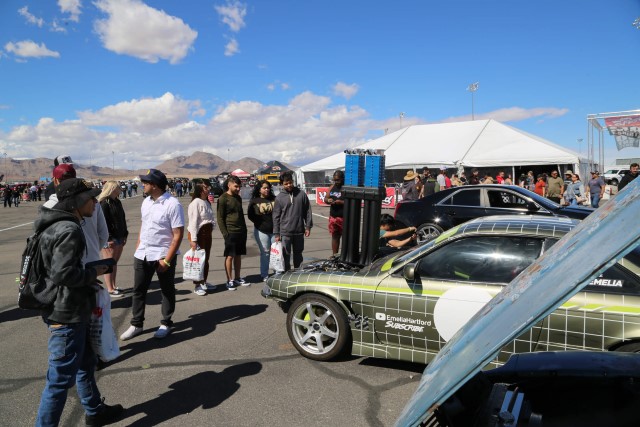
193, 265
276, 257
101, 334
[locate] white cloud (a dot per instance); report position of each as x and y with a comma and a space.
57, 28
271, 86
30, 49
345, 90
135, 29
231, 48
142, 114
72, 7
151, 130
285, 86
31, 19
232, 14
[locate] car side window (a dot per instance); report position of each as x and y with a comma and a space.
469, 197
506, 199
621, 278
481, 259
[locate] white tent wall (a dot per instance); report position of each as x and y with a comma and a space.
479, 143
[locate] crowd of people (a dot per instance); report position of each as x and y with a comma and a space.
568, 191
81, 223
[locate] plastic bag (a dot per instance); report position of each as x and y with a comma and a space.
193, 265
101, 334
276, 257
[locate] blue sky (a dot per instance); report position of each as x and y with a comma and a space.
299, 80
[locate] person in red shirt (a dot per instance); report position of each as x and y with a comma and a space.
500, 178
541, 186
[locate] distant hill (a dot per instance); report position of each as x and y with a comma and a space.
198, 164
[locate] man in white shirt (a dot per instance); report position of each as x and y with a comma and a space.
161, 232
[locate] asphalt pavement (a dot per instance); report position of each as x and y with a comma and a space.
228, 362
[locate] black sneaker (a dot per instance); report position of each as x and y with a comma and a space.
107, 415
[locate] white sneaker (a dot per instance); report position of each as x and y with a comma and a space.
199, 291
133, 331
162, 332
210, 287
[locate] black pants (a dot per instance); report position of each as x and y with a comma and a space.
143, 273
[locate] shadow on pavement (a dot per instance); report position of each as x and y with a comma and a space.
197, 325
17, 314
205, 389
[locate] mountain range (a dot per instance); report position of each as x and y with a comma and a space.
198, 164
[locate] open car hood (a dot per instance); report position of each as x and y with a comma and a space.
601, 239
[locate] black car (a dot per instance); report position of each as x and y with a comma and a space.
445, 209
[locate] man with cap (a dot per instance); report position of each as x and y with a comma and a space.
94, 227
160, 236
60, 160
71, 360
595, 187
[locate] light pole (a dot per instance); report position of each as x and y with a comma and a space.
473, 87
6, 173
579, 142
113, 163
227, 155
401, 116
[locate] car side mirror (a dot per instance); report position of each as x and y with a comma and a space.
409, 272
532, 206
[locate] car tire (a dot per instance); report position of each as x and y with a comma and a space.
427, 232
632, 347
318, 327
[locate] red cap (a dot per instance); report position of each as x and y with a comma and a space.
64, 171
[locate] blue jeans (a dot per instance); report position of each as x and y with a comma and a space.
595, 200
71, 361
264, 241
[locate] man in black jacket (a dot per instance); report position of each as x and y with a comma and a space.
627, 178
71, 359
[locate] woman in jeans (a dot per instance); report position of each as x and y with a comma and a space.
575, 194
118, 232
201, 225
260, 212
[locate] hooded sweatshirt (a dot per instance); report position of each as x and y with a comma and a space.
62, 247
291, 213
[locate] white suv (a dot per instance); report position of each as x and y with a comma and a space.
614, 175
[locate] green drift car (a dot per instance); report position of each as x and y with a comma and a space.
407, 305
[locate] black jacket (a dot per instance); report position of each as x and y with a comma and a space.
626, 179
115, 218
62, 247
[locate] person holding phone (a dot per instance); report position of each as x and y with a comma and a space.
118, 232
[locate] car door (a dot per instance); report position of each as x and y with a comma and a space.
451, 283
605, 314
461, 206
501, 201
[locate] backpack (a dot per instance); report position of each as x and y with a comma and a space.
34, 293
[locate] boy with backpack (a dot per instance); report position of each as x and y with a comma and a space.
71, 299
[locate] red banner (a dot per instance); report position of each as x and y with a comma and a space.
388, 202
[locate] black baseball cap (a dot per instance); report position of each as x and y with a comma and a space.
156, 177
72, 193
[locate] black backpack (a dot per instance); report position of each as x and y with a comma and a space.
33, 291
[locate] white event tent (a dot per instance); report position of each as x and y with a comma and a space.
479, 143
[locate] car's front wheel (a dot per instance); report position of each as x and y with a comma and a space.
318, 327
427, 232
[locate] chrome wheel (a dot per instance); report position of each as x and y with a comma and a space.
427, 232
317, 327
